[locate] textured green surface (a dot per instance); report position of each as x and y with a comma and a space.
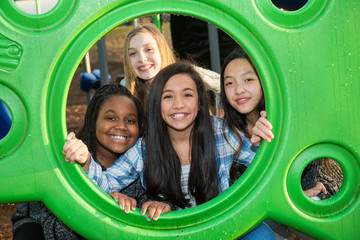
309, 64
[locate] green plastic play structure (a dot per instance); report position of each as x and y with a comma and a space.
309, 63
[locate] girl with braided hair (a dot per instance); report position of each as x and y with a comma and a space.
114, 120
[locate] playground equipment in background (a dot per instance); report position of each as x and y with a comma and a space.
91, 80
308, 61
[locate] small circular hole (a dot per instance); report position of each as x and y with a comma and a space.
289, 5
5, 120
36, 7
322, 178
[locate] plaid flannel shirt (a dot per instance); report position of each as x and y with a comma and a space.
129, 166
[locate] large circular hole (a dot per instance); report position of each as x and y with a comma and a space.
118, 76
185, 39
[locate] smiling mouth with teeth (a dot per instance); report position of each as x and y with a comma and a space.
118, 137
242, 100
179, 115
143, 68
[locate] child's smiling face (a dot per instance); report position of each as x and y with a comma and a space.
117, 127
144, 55
242, 86
180, 102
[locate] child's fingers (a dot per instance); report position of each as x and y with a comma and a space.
262, 132
70, 157
157, 213
125, 203
133, 204
263, 114
166, 209
156, 209
130, 204
65, 148
121, 202
145, 207
255, 139
70, 141
161, 209
114, 196
67, 145
77, 151
319, 187
323, 188
70, 152
70, 136
149, 207
118, 199
264, 122
151, 213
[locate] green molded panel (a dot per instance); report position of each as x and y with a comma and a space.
309, 63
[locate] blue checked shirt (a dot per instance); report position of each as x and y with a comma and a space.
129, 166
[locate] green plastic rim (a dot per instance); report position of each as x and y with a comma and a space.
309, 98
183, 219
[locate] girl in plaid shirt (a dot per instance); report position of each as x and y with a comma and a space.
188, 153
178, 136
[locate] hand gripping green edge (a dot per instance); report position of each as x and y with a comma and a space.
308, 62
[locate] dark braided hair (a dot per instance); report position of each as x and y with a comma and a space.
88, 132
235, 120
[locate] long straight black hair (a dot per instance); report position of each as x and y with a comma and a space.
235, 120
162, 170
88, 132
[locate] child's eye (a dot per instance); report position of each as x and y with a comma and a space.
249, 80
228, 84
131, 121
188, 95
132, 54
167, 96
148, 49
110, 118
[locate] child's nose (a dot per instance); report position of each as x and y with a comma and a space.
178, 102
239, 89
120, 125
142, 57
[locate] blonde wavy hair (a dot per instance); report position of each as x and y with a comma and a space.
166, 54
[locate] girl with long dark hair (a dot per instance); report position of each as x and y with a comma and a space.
242, 99
170, 143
